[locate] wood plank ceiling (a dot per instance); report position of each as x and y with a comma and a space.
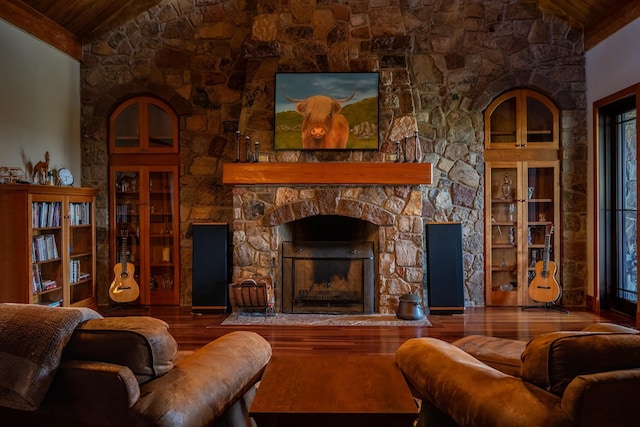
64, 23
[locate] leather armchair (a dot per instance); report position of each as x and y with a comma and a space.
586, 378
127, 372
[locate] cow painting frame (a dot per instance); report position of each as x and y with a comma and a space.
326, 111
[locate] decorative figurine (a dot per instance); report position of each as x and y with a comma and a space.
506, 186
41, 170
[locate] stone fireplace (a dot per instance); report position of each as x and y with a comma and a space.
387, 216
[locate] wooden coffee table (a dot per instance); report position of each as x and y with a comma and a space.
337, 391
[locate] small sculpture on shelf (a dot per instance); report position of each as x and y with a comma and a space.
506, 186
41, 170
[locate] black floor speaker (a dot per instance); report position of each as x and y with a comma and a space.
445, 274
210, 275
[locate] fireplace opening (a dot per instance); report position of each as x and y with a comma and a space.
327, 277
329, 266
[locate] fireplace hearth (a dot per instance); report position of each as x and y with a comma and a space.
328, 277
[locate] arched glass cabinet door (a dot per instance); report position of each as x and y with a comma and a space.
522, 119
143, 125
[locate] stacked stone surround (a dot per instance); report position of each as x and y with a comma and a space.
440, 62
261, 213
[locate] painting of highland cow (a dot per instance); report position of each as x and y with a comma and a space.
326, 111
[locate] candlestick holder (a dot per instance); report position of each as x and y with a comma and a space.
255, 152
418, 148
237, 160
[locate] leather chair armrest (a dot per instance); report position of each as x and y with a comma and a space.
472, 393
603, 398
96, 387
203, 385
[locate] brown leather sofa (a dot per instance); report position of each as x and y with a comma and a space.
126, 371
585, 378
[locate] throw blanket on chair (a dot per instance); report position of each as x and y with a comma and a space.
31, 341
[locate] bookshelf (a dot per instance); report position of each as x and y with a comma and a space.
48, 238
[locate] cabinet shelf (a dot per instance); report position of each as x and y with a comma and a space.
507, 268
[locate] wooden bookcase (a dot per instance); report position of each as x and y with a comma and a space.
522, 193
48, 236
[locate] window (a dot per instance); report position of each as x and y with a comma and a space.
618, 205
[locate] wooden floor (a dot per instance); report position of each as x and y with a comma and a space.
195, 330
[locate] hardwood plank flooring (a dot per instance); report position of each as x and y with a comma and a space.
192, 331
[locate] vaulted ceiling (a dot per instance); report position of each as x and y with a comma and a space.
64, 23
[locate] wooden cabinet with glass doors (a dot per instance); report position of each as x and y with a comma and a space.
522, 194
144, 159
50, 245
144, 212
521, 208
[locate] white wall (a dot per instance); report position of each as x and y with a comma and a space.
612, 65
39, 103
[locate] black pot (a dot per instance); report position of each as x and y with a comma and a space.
410, 307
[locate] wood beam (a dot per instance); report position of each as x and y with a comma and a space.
352, 173
609, 24
35, 23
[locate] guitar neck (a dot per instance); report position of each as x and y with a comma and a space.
124, 256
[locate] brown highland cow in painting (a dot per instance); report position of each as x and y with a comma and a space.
323, 127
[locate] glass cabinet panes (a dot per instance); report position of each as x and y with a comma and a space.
503, 122
144, 197
46, 259
160, 128
145, 215
521, 206
127, 132
143, 125
539, 121
504, 236
161, 235
127, 219
81, 244
522, 119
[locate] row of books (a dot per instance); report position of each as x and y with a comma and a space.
44, 248
75, 275
45, 214
40, 285
80, 213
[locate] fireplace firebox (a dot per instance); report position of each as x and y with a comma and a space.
328, 277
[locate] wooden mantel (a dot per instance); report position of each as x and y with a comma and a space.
352, 173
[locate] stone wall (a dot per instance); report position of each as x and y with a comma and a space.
441, 62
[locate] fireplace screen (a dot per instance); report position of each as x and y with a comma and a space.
333, 277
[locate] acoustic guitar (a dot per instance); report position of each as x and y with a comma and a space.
124, 287
544, 287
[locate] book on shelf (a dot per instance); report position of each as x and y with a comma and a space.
44, 248
36, 278
48, 285
75, 274
45, 214
80, 213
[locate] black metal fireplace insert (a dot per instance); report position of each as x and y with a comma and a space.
328, 277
